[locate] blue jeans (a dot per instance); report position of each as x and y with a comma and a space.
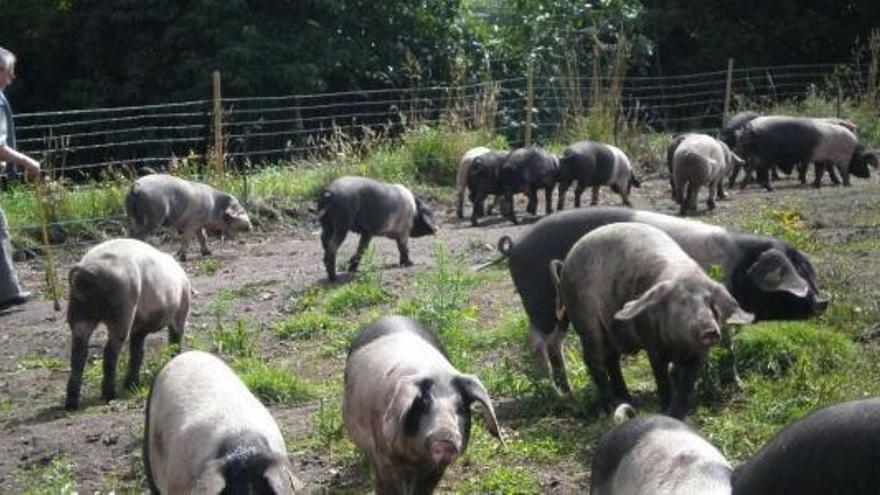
9, 286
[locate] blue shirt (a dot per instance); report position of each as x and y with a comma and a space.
7, 129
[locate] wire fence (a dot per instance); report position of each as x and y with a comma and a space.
84, 142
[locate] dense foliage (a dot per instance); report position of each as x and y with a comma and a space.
81, 53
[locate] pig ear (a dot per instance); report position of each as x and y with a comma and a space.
211, 480
425, 214
729, 309
473, 389
281, 479
649, 299
773, 271
556, 275
405, 392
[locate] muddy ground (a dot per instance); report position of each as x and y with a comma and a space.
104, 440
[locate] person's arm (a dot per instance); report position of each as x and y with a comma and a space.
31, 166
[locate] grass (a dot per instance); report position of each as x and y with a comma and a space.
272, 383
57, 477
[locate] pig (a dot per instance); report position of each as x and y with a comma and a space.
789, 141
188, 207
766, 276
461, 177
206, 433
527, 170
134, 289
834, 450
406, 407
483, 180
701, 160
670, 155
658, 455
628, 286
731, 129
370, 208
595, 164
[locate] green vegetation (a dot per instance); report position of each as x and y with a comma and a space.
58, 476
272, 383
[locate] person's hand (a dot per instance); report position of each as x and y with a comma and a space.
31, 170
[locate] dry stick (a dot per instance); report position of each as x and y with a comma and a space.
51, 278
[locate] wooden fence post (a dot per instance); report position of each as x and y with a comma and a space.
217, 127
728, 89
530, 101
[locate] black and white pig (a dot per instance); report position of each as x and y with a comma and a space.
188, 207
701, 160
594, 164
525, 171
766, 276
370, 208
658, 455
206, 433
483, 180
406, 407
627, 287
835, 450
134, 289
464, 167
731, 129
790, 141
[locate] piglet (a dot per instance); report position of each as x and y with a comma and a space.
188, 207
370, 208
206, 433
134, 289
627, 287
406, 407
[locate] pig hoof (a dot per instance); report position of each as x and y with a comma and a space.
71, 404
181, 256
206, 252
406, 263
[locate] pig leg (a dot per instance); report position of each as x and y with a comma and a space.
186, 233
111, 354
710, 201
553, 352
508, 209
721, 194
733, 372
594, 200
403, 248
835, 180
730, 182
624, 194
593, 352
496, 201
764, 177
612, 362
802, 172
578, 191
79, 353
178, 325
563, 188
203, 242
684, 376
331, 239
548, 200
820, 171
362, 246
532, 205
459, 203
660, 367
135, 359
477, 207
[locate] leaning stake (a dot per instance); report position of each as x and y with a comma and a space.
51, 279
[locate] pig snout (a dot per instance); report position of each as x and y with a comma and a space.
444, 451
710, 336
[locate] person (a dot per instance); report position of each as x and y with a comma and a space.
11, 293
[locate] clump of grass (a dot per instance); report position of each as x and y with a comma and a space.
775, 349
38, 361
306, 325
240, 340
351, 297
207, 266
787, 224
58, 476
273, 384
501, 479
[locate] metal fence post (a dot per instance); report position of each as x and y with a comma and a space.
217, 127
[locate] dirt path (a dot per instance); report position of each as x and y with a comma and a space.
104, 440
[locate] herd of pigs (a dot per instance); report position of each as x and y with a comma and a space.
626, 280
